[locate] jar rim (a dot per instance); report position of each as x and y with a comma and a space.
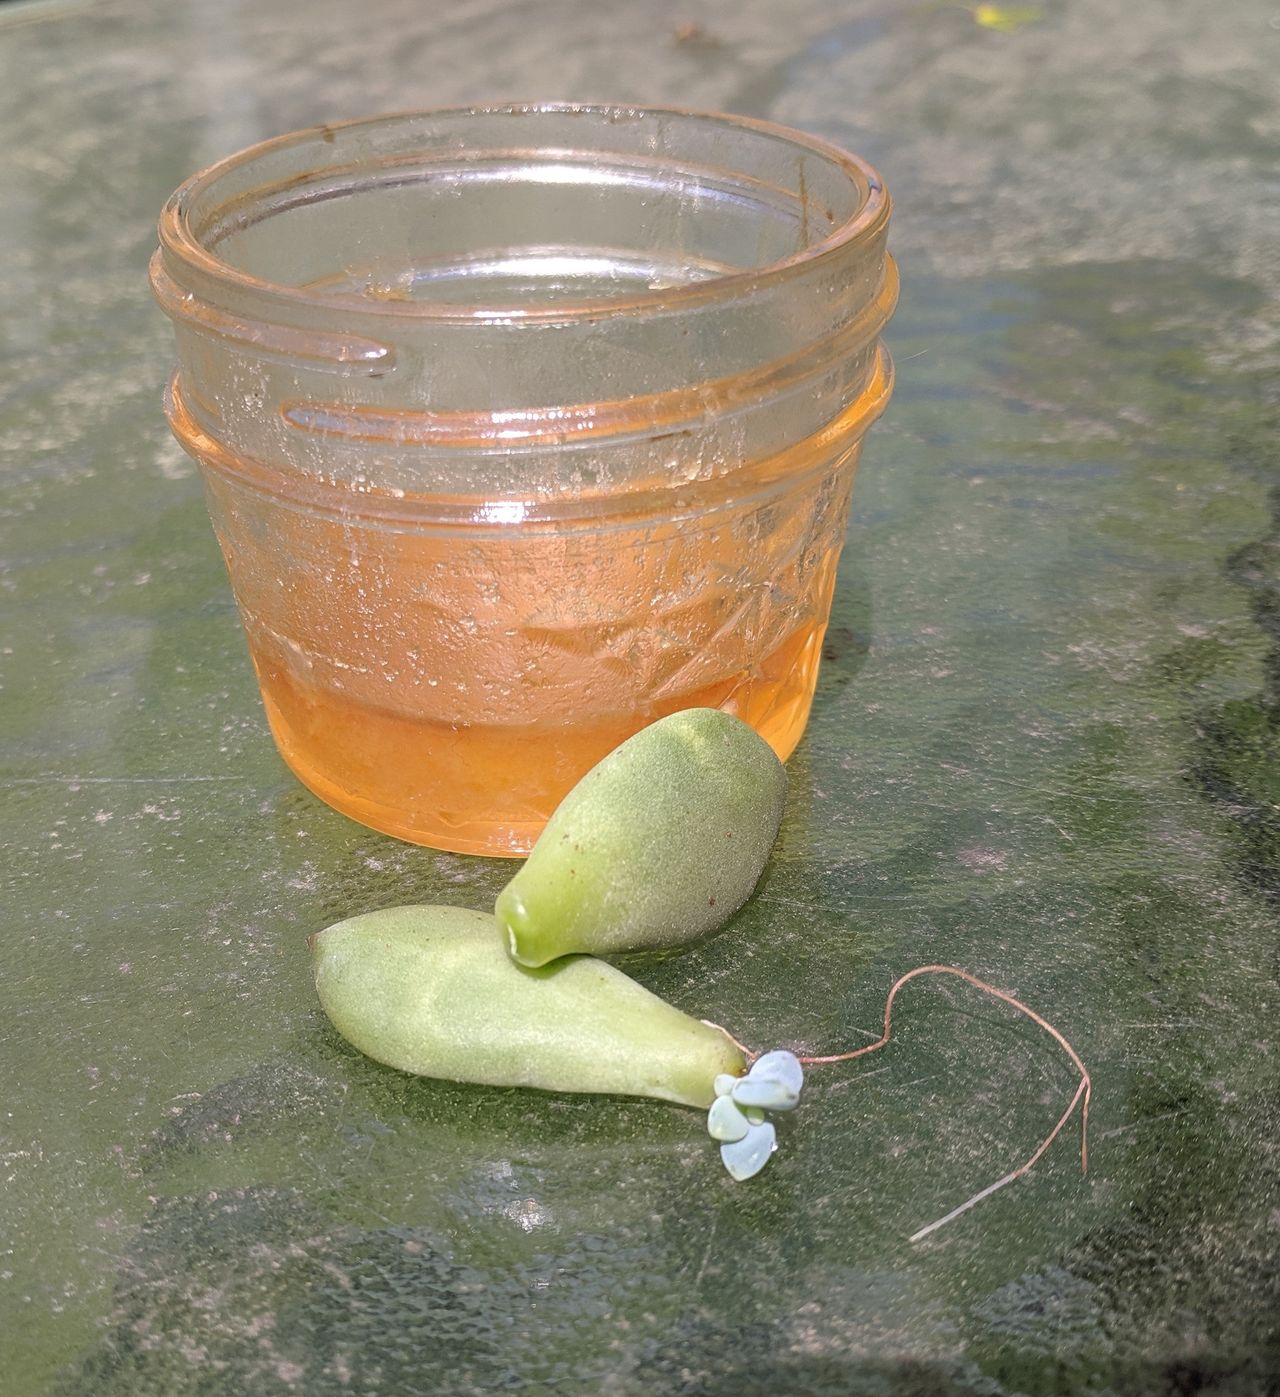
179, 240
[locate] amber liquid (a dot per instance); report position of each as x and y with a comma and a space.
480, 788
450, 687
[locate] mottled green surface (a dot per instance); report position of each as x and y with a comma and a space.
1046, 746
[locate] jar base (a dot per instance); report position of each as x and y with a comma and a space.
490, 789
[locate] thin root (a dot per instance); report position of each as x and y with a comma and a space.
750, 1054
1085, 1089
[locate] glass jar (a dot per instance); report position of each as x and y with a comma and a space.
522, 427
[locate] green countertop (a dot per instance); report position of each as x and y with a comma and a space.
1045, 747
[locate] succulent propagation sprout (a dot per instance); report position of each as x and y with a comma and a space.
690, 804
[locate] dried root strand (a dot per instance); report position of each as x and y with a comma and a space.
1083, 1090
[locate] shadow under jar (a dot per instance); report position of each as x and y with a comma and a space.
522, 427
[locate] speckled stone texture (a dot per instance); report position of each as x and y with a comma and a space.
1046, 747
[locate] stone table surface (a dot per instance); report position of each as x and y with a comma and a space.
1045, 747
